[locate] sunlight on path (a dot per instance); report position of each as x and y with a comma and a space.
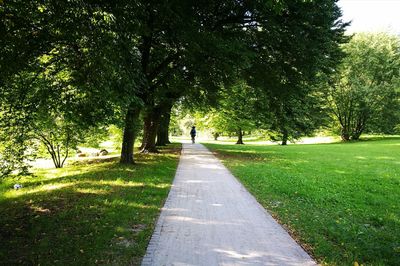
210, 219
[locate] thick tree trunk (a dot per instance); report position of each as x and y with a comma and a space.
130, 131
166, 132
151, 123
146, 126
162, 133
163, 128
240, 136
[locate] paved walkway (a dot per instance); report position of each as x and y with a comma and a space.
210, 219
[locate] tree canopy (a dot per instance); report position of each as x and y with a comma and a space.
124, 61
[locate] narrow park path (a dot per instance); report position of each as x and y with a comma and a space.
210, 219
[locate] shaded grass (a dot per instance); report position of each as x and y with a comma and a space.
341, 201
89, 213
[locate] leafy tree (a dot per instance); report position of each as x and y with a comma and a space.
195, 49
212, 120
41, 107
236, 109
58, 137
284, 114
365, 87
233, 113
284, 56
301, 44
157, 115
70, 74
289, 115
218, 40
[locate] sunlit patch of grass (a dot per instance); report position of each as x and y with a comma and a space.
91, 191
340, 200
26, 190
87, 213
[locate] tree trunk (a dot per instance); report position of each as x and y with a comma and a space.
344, 133
359, 128
151, 123
146, 126
162, 132
55, 149
216, 135
130, 131
240, 136
285, 136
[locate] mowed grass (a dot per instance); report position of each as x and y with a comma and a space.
341, 201
91, 213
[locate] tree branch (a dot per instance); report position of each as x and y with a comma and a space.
158, 69
67, 148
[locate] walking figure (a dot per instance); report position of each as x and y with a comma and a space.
193, 133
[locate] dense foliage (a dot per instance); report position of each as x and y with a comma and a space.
365, 90
128, 62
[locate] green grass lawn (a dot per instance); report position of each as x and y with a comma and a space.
340, 201
85, 214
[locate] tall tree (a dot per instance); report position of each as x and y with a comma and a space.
366, 84
305, 43
196, 45
287, 45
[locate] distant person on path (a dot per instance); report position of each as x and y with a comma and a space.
193, 133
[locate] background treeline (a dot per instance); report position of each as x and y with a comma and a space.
69, 69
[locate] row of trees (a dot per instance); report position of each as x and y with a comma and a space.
69, 66
362, 94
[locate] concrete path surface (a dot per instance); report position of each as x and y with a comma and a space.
210, 219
